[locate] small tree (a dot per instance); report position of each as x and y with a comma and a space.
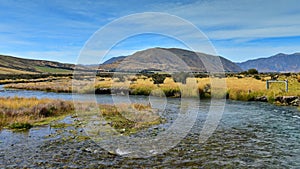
252, 71
158, 78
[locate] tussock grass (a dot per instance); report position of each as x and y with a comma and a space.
49, 85
237, 86
19, 113
24, 113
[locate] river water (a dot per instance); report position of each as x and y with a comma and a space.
249, 135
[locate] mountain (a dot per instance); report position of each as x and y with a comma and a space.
277, 63
10, 64
169, 60
114, 59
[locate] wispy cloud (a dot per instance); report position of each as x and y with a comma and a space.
57, 30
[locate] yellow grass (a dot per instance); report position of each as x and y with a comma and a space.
23, 113
242, 88
30, 110
12, 71
57, 85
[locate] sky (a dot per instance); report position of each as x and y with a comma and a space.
58, 30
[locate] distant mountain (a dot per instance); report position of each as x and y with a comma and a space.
277, 63
169, 60
114, 59
10, 64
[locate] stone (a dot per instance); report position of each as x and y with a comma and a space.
288, 100
261, 99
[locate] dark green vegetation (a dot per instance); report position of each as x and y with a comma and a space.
158, 78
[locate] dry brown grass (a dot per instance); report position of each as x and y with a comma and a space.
31, 110
23, 113
60, 85
239, 87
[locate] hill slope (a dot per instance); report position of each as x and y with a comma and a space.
169, 60
277, 63
10, 64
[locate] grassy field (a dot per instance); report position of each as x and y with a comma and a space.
13, 71
51, 70
237, 87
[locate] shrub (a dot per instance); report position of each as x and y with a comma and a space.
24, 126
158, 78
257, 77
252, 71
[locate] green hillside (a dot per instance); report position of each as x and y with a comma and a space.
14, 65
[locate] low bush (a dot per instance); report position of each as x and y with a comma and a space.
20, 126
158, 78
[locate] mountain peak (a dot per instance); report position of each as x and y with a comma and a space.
170, 60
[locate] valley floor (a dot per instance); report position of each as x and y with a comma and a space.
234, 86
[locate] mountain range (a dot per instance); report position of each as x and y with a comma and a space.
158, 59
277, 63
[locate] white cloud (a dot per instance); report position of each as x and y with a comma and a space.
236, 19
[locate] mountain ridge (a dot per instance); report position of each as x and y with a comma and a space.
277, 63
16, 65
169, 60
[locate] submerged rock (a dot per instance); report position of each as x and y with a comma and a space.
261, 99
288, 100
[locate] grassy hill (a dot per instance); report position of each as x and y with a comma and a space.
169, 60
14, 65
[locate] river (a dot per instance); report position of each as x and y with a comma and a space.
249, 135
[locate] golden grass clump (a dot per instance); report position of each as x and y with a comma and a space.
16, 110
62, 85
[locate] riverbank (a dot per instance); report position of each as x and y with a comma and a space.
250, 135
234, 87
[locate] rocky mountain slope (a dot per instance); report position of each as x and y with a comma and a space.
277, 63
10, 64
170, 60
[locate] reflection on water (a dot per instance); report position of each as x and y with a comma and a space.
250, 135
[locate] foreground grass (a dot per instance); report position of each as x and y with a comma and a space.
24, 113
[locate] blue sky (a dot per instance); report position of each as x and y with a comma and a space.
58, 29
